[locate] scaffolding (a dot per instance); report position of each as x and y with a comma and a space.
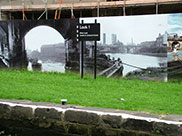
96, 5
88, 5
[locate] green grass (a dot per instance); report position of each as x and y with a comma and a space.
147, 96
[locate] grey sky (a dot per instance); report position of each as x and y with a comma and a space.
42, 35
138, 28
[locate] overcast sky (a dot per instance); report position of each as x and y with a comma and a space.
42, 35
139, 28
175, 23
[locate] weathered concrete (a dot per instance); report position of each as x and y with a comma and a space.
29, 118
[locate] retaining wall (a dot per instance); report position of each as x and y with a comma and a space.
32, 120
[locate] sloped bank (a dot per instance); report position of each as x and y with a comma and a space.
25, 118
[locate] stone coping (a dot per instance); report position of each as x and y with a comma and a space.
168, 119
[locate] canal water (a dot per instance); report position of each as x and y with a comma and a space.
142, 61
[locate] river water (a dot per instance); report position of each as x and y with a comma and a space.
50, 67
142, 61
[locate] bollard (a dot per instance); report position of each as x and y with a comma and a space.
63, 101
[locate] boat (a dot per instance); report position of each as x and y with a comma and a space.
36, 65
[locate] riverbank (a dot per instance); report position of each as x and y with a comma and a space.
134, 95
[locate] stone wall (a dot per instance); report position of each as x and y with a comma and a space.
33, 120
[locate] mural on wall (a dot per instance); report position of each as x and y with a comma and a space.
4, 46
131, 47
38, 45
174, 46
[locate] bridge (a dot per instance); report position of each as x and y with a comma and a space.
132, 49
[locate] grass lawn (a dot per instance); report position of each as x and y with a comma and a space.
147, 96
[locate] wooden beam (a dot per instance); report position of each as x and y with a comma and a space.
88, 5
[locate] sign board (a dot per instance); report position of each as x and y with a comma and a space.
88, 32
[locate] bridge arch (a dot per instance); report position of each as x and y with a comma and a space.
42, 35
45, 48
